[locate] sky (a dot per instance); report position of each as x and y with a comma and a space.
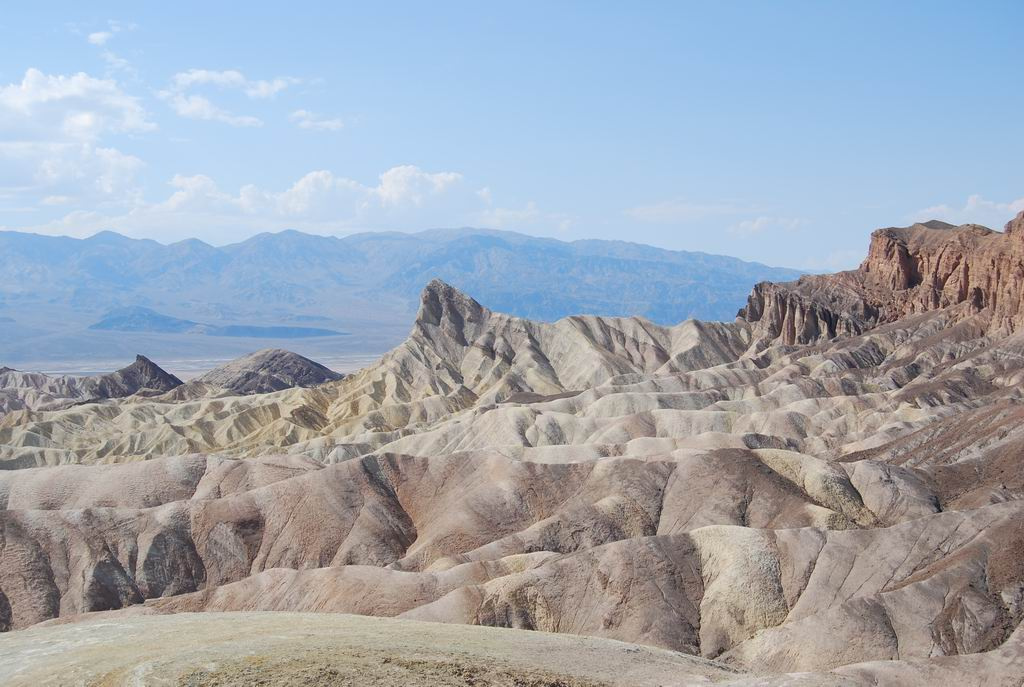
781, 132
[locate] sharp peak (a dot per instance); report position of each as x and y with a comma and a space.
142, 362
441, 301
441, 288
146, 366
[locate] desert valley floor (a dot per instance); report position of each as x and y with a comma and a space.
826, 491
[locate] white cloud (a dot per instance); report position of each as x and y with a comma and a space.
56, 200
79, 106
518, 219
410, 185
198, 107
404, 197
843, 259
50, 132
230, 78
305, 119
115, 63
763, 224
503, 218
267, 89
65, 169
681, 212
193, 106
100, 37
977, 210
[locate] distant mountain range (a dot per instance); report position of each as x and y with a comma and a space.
110, 295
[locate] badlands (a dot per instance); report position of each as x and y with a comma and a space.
826, 491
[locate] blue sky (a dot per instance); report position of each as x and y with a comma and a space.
780, 132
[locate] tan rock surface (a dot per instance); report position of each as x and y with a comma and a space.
33, 390
831, 485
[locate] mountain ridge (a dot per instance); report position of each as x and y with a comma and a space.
34, 391
367, 284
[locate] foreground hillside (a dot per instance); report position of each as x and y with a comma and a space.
286, 649
107, 296
830, 481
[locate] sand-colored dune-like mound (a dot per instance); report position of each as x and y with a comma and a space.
831, 484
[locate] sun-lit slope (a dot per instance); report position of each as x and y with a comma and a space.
459, 355
661, 552
436, 394
175, 525
19, 390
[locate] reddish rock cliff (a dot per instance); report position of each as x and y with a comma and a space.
908, 270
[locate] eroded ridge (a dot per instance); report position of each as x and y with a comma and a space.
832, 479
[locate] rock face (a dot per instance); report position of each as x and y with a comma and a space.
19, 390
271, 369
831, 485
142, 375
908, 271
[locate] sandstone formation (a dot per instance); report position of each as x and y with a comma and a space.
912, 270
268, 370
33, 390
829, 488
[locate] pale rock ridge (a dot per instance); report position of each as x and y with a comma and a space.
34, 390
271, 369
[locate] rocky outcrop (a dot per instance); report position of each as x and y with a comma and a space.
35, 391
271, 369
908, 271
802, 312
927, 267
142, 375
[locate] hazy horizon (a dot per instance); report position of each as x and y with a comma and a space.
399, 232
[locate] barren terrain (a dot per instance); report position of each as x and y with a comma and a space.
831, 485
